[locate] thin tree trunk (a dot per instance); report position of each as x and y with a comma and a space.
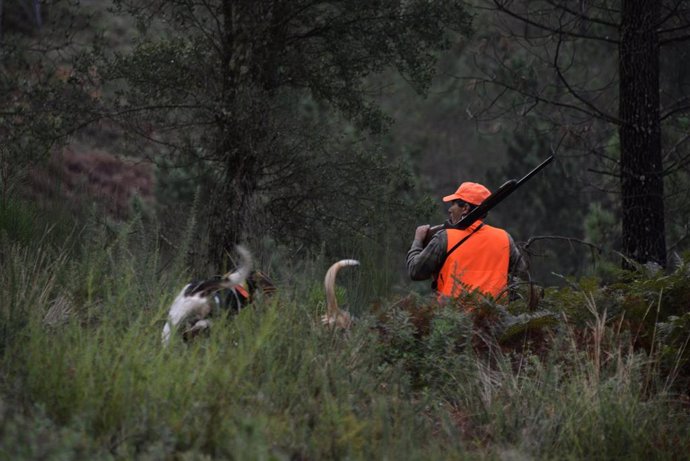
223, 227
231, 201
642, 184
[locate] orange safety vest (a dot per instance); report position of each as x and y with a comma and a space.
480, 263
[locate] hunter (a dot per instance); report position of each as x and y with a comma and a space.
477, 258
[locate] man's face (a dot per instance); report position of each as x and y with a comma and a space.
457, 210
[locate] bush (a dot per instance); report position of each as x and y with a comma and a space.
84, 375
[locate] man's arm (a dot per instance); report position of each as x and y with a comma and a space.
424, 262
517, 265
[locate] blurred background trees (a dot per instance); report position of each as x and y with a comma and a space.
337, 126
139, 140
42, 104
592, 78
269, 103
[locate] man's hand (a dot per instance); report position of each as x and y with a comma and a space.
421, 231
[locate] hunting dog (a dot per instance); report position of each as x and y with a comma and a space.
199, 300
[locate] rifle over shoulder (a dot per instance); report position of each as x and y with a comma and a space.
491, 201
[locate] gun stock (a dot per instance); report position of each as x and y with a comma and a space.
491, 201
433, 230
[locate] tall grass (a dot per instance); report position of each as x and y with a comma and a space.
84, 374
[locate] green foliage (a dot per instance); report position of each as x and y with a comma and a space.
277, 113
18, 221
561, 76
29, 435
601, 227
45, 100
547, 210
84, 374
598, 369
676, 188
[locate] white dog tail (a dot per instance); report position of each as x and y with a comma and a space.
237, 277
332, 308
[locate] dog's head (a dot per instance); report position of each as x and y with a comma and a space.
260, 282
232, 300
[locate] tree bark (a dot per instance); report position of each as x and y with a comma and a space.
642, 186
231, 198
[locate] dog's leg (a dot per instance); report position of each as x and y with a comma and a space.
202, 326
183, 307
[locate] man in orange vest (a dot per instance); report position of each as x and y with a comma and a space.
479, 257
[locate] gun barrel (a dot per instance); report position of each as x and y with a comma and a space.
536, 170
491, 201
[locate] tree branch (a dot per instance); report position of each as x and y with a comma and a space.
538, 98
572, 91
676, 244
583, 16
531, 240
679, 106
680, 162
671, 12
603, 173
680, 38
501, 7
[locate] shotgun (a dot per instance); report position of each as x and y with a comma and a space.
491, 201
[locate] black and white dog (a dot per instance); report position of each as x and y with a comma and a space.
199, 300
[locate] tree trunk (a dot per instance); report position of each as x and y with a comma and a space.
642, 186
231, 199
231, 202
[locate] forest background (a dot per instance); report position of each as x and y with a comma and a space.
142, 141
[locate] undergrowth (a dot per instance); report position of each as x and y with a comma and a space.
594, 371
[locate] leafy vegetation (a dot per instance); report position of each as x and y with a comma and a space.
592, 371
297, 127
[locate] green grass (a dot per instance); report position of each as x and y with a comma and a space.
83, 374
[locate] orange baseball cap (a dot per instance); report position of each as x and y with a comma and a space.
470, 192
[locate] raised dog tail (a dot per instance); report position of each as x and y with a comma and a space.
239, 275
334, 315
